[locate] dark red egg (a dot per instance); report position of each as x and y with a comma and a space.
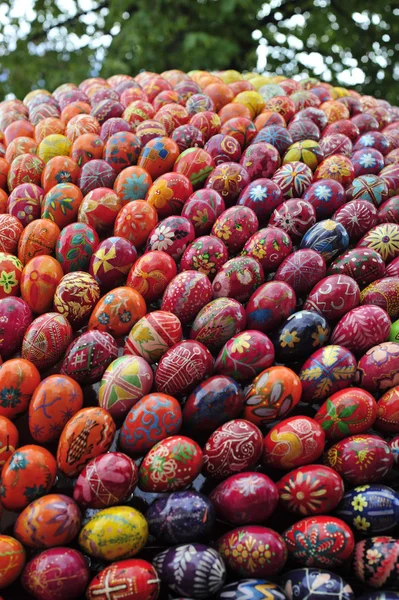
302, 270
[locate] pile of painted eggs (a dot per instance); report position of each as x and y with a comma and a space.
199, 338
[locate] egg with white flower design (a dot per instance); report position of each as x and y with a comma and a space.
172, 235
315, 584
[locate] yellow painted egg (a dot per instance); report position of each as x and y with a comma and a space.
54, 145
252, 100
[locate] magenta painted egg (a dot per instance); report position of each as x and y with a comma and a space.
361, 264
392, 269
235, 226
269, 246
188, 136
15, 318
293, 179
202, 208
310, 490
384, 239
186, 294
387, 412
336, 143
326, 196
88, 356
389, 211
24, 202
153, 335
233, 447
333, 296
260, 160
270, 305
10, 232
378, 369
245, 498
384, 293
294, 442
294, 216
302, 270
375, 564
320, 541
217, 322
172, 235
253, 551
362, 328
183, 367
245, 355
46, 340
223, 148
238, 278
229, 179
106, 480
367, 161
262, 196
111, 262
358, 216
206, 254
327, 371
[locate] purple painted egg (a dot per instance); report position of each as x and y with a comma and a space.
302, 270
368, 187
235, 226
384, 239
333, 296
111, 262
269, 246
326, 196
217, 322
362, 328
293, 179
223, 148
202, 208
303, 129
367, 160
96, 174
15, 318
389, 211
358, 216
378, 369
106, 480
88, 356
206, 254
294, 216
186, 294
245, 355
24, 202
238, 278
172, 235
262, 196
361, 264
183, 367
270, 305
260, 160
384, 293
327, 371
153, 335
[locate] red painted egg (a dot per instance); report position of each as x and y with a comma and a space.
46, 340
186, 294
324, 542
260, 160
168, 194
11, 270
270, 305
293, 179
151, 274
245, 498
217, 322
99, 209
15, 318
294, 216
378, 369
362, 328
118, 311
238, 278
223, 148
153, 335
18, 380
388, 412
183, 367
9, 437
136, 579
245, 355
202, 208
39, 282
10, 232
229, 180
269, 246
384, 293
262, 196
333, 296
362, 264
206, 254
310, 490
112, 261
195, 164
375, 563
75, 297
235, 226
253, 551
294, 442
357, 216
384, 239
302, 270
326, 196
387, 213
12, 560
171, 464
88, 356
75, 246
233, 447
360, 458
172, 235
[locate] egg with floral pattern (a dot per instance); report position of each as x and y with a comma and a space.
238, 278
235, 226
186, 294
206, 254
153, 335
245, 355
375, 562
172, 235
118, 311
347, 412
370, 509
378, 369
384, 293
217, 322
315, 584
301, 333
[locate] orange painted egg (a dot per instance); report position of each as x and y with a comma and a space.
388, 412
10, 232
135, 222
18, 380
12, 560
10, 275
151, 274
46, 340
75, 297
55, 400
132, 184
61, 204
118, 311
38, 238
52, 520
88, 434
99, 209
9, 438
60, 169
28, 474
39, 281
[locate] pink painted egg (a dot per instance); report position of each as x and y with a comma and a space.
233, 447
378, 369
245, 355
333, 296
207, 254
46, 340
392, 269
302, 270
172, 235
111, 262
235, 226
294, 216
183, 367
270, 305
270, 246
362, 264
153, 335
88, 356
362, 328
15, 318
357, 216
384, 293
238, 278
217, 322
388, 412
186, 294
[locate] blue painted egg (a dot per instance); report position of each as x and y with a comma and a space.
300, 335
181, 517
328, 238
370, 509
252, 589
315, 584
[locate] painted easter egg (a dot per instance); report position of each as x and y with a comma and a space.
326, 196
46, 340
87, 357
183, 367
328, 237
361, 264
15, 318
11, 269
294, 442
238, 278
87, 434
12, 560
28, 474
301, 333
233, 447
168, 194
235, 226
384, 239
75, 297
9, 437
319, 541
153, 335
375, 562
243, 549
269, 246
388, 211
114, 533
262, 196
206, 254
360, 458
151, 274
61, 204
302, 270
52, 520
294, 216
217, 322
152, 419
172, 235
310, 490
186, 294
192, 570
135, 221
315, 584
347, 412
362, 328
245, 355
384, 293
39, 281
260, 160
24, 202
99, 209
181, 517
327, 371
18, 380
245, 498
357, 216
252, 588
333, 296
293, 178
272, 395
75, 246
10, 232
135, 578
125, 381
378, 369
202, 208
387, 411
112, 261
370, 509
118, 311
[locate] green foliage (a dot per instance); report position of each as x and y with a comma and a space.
329, 39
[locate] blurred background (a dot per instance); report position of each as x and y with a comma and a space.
44, 43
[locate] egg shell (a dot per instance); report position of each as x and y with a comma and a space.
387, 412
262, 196
360, 458
186, 294
251, 544
181, 517
28, 473
384, 239
245, 355
106, 480
384, 293
46, 340
250, 588
328, 237
235, 226
370, 509
363, 265
75, 297
319, 541
313, 584
233, 447
375, 562
378, 369
302, 270
15, 318
294, 442
217, 322
272, 395
87, 357
326, 196
202, 208
87, 434
151, 274
392, 269
303, 332
12, 560
172, 464
183, 367
118, 311
294, 216
172, 235
114, 533
52, 520
269, 305
152, 419
362, 328
75, 246
333, 296
153, 335
269, 246
327, 371
347, 412
358, 217
39, 281
245, 498
18, 380
310, 490
206, 254
135, 578
238, 278
56, 574
9, 437
55, 400
260, 160
191, 570
38, 238
387, 212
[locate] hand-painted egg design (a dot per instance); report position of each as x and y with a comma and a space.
269, 305
294, 216
186, 294
303, 332
206, 254
362, 328
12, 560
315, 584
135, 578
384, 239
75, 246
9, 437
11, 275
252, 588
151, 274
245, 355
347, 412
75, 297
217, 322
18, 380
357, 216
302, 270
153, 335
118, 311
15, 318
333, 296
39, 281
202, 208
294, 442
269, 247
328, 237
370, 509
375, 562
88, 356
111, 262
38, 238
378, 369
235, 226
387, 411
326, 196
46, 340
362, 264
183, 367
172, 235
384, 293
238, 278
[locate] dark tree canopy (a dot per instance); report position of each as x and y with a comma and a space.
44, 43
